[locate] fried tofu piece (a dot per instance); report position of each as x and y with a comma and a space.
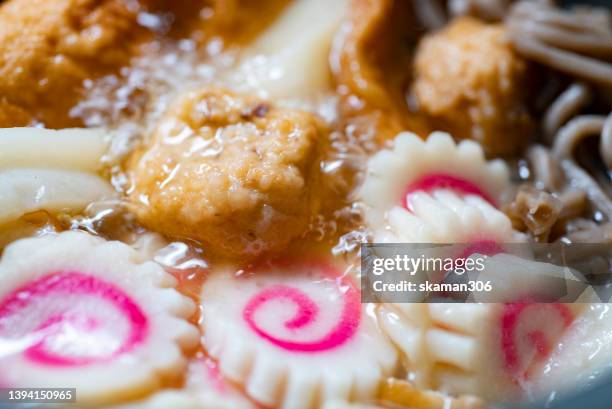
472, 84
11, 115
371, 66
49, 47
239, 21
230, 171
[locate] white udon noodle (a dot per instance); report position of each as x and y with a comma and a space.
43, 169
273, 66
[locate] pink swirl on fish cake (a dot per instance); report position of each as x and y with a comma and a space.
308, 311
540, 339
485, 247
73, 283
437, 181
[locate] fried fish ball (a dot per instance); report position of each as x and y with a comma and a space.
231, 171
472, 84
49, 47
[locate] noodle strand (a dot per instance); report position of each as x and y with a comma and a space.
568, 41
583, 181
574, 132
606, 142
564, 107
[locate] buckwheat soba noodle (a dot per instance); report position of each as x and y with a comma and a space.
577, 43
580, 44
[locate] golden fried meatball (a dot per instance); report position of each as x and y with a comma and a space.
472, 84
230, 171
48, 47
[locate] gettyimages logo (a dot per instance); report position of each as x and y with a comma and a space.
486, 272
